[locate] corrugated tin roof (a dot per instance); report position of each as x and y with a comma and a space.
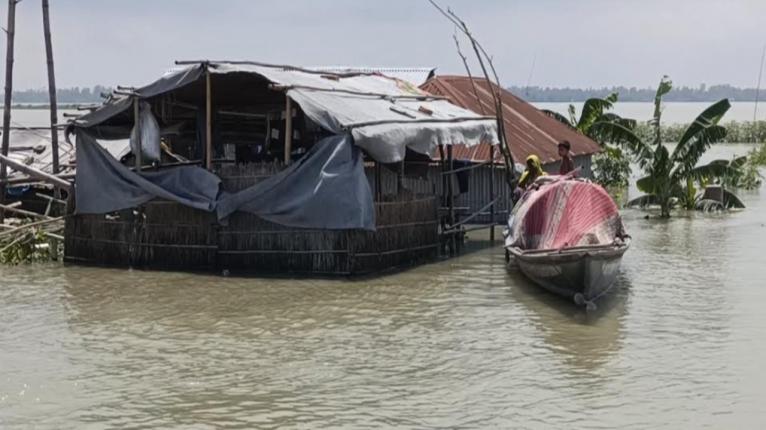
527, 130
414, 75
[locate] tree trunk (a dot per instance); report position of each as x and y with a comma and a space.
8, 96
51, 86
665, 208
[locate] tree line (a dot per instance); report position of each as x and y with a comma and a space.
703, 93
64, 95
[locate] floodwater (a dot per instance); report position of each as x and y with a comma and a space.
673, 112
463, 343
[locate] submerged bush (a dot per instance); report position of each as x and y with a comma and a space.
611, 168
736, 131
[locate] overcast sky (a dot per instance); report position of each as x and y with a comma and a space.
572, 43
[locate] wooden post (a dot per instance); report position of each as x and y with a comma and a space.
137, 126
451, 201
51, 87
9, 32
492, 192
288, 128
208, 121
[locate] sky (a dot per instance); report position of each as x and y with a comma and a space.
558, 43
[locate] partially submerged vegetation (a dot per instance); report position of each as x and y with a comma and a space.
24, 241
671, 177
736, 131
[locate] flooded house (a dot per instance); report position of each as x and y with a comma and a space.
259, 168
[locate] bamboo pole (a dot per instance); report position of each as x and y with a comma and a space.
51, 86
9, 33
288, 128
137, 125
208, 121
23, 212
451, 197
492, 192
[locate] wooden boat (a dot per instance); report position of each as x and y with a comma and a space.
567, 236
582, 273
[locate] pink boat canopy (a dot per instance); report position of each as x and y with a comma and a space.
563, 214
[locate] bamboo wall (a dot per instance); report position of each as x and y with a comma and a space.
167, 235
478, 195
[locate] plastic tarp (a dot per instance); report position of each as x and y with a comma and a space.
384, 115
103, 185
149, 134
371, 106
120, 103
326, 188
564, 213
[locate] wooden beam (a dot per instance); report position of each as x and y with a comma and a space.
51, 86
9, 33
208, 121
288, 129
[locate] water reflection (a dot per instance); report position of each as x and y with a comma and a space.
583, 340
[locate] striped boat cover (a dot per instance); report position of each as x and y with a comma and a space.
564, 213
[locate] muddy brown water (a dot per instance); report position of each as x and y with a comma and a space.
463, 343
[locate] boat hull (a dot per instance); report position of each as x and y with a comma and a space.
582, 274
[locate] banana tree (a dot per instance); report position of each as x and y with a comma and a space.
670, 176
594, 110
611, 167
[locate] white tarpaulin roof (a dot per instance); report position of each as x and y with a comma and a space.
384, 115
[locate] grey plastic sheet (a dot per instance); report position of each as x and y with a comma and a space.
325, 189
103, 185
385, 116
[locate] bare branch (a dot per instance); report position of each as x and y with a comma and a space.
481, 55
470, 76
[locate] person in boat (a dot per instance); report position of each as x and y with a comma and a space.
533, 171
567, 165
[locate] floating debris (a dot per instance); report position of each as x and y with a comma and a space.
22, 241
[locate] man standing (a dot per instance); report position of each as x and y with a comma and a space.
567, 165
